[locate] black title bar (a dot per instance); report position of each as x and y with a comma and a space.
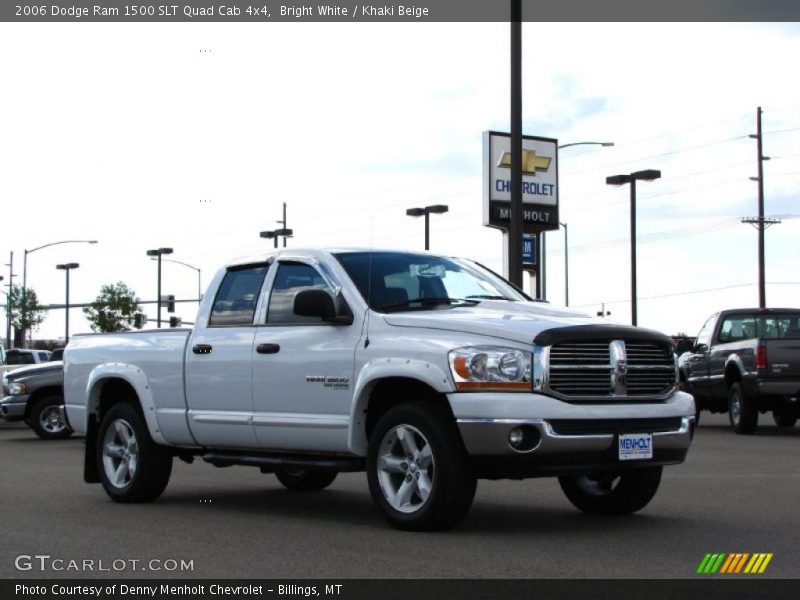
413, 11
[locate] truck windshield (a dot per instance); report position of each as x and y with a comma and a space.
400, 281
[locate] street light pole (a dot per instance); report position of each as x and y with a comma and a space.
426, 212
515, 217
10, 266
544, 238
158, 253
25, 274
646, 175
67, 268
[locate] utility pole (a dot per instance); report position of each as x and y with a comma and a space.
10, 266
283, 223
760, 222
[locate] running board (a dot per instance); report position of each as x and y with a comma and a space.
269, 463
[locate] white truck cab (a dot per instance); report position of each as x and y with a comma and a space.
426, 371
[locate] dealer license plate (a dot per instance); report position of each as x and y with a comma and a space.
635, 446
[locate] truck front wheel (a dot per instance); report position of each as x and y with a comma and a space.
47, 419
132, 467
742, 411
418, 470
612, 493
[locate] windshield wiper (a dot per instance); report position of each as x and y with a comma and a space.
434, 301
490, 297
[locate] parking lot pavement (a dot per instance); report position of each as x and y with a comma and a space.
734, 494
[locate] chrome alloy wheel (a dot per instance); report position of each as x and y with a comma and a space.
52, 419
120, 454
406, 469
736, 407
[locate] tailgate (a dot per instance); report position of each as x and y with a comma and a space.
783, 359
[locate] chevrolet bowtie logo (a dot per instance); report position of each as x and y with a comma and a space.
530, 162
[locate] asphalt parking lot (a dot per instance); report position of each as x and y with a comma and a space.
734, 494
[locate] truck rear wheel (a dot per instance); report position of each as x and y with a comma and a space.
132, 467
742, 411
418, 470
784, 417
612, 493
47, 419
305, 480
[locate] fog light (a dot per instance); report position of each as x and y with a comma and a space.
524, 438
515, 437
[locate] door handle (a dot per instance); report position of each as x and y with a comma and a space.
202, 348
268, 348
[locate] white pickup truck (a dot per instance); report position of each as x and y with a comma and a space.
427, 372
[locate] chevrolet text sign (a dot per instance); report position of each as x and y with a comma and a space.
539, 182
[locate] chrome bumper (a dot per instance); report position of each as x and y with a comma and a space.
486, 437
12, 408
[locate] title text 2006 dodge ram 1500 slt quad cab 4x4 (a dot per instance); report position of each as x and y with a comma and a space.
427, 372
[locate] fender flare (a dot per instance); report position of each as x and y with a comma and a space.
736, 361
136, 378
374, 371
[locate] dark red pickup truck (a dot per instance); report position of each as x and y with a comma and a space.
745, 362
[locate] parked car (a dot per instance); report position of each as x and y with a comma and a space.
23, 356
745, 362
35, 395
426, 372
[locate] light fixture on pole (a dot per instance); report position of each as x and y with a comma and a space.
67, 267
25, 272
158, 252
274, 235
632, 178
436, 209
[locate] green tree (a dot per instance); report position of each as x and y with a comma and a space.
29, 316
113, 310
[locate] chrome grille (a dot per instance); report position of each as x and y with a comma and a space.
597, 370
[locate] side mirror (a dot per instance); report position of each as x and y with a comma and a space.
701, 349
318, 303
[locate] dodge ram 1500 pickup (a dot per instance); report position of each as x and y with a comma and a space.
424, 371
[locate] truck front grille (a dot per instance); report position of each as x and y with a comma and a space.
603, 370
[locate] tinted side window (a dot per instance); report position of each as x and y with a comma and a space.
291, 279
737, 328
237, 297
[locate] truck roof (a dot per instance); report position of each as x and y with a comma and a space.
317, 252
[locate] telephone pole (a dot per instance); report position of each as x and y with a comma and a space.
760, 222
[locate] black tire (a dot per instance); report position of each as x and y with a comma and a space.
612, 493
148, 465
742, 411
437, 482
47, 420
305, 480
784, 417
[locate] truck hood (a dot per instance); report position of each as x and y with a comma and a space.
518, 321
55, 366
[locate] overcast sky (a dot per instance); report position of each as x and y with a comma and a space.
192, 135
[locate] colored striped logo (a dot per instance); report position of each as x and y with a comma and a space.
734, 563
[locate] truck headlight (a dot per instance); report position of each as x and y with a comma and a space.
491, 368
15, 389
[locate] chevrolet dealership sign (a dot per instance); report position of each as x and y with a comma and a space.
539, 182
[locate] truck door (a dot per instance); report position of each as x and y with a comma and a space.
733, 330
219, 374
302, 368
696, 363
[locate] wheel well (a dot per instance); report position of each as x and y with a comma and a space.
53, 390
113, 392
388, 393
732, 374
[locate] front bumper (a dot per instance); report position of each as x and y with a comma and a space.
12, 408
568, 438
